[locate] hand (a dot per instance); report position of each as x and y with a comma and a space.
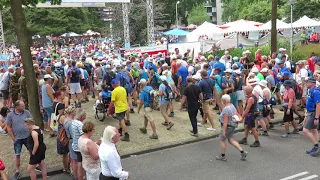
14, 140
98, 142
288, 112
316, 122
33, 153
224, 133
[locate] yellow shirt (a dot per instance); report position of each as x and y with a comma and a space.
119, 97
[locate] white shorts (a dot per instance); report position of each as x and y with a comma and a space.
93, 174
75, 88
240, 95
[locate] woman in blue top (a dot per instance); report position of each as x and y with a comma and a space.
47, 102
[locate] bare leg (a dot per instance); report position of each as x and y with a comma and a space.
32, 172
223, 147
17, 163
3, 175
235, 144
312, 135
44, 170
255, 134
123, 126
153, 127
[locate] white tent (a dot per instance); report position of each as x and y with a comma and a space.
240, 22
206, 29
91, 33
241, 27
280, 25
305, 22
70, 34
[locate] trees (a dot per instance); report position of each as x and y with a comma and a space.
304, 7
198, 14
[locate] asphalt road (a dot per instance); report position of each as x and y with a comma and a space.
276, 159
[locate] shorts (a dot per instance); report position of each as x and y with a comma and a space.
250, 121
72, 154
234, 99
147, 113
265, 112
206, 106
121, 116
218, 95
49, 111
98, 86
75, 88
287, 118
82, 82
229, 133
93, 173
240, 95
310, 121
260, 108
18, 146
79, 156
5, 94
182, 87
164, 108
45, 117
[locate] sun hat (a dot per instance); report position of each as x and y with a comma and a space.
263, 83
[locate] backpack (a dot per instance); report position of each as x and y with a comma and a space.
310, 74
150, 93
292, 67
60, 81
156, 81
62, 136
273, 101
88, 68
135, 73
297, 89
109, 76
74, 75
123, 82
169, 95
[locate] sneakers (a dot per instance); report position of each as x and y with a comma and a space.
199, 124
153, 136
125, 137
311, 150
243, 141
165, 123
143, 130
255, 144
295, 132
37, 169
128, 123
171, 114
131, 111
194, 135
221, 158
264, 134
211, 129
170, 124
316, 152
3, 133
16, 176
244, 156
285, 135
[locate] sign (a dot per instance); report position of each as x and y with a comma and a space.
146, 49
80, 3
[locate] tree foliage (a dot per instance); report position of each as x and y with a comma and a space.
198, 14
309, 8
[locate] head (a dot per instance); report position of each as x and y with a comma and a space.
165, 66
248, 90
176, 50
59, 95
287, 84
190, 80
311, 82
110, 135
19, 106
115, 83
65, 90
47, 79
48, 70
226, 53
29, 123
4, 111
204, 74
81, 114
206, 66
88, 128
70, 111
225, 99
142, 83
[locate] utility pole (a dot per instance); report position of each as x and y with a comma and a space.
2, 42
150, 20
126, 29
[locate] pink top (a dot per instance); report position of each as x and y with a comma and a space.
87, 161
289, 94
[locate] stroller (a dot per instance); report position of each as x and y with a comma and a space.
101, 108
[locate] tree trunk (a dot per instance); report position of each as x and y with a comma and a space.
274, 26
24, 45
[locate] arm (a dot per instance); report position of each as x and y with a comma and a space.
290, 103
55, 82
183, 101
249, 104
93, 150
225, 124
100, 97
34, 135
115, 166
50, 92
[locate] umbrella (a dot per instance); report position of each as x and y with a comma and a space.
176, 32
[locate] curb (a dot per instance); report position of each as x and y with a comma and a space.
56, 171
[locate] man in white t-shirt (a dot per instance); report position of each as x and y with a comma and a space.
265, 121
301, 78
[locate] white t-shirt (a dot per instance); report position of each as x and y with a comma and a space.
304, 74
258, 92
288, 64
268, 91
82, 73
191, 69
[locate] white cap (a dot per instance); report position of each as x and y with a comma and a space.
163, 78
247, 52
143, 81
254, 70
264, 70
196, 77
228, 71
58, 64
237, 71
263, 83
108, 66
47, 76
203, 58
282, 49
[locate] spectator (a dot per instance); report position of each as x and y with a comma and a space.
47, 102
3, 117
2, 173
37, 150
5, 84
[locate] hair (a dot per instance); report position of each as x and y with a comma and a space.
29, 121
79, 112
4, 111
104, 87
63, 88
204, 73
108, 133
189, 79
88, 127
226, 98
38, 73
57, 93
73, 63
17, 103
69, 109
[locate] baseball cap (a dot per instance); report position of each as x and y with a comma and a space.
47, 76
217, 57
114, 81
196, 77
143, 81
286, 74
228, 71
264, 70
311, 80
316, 59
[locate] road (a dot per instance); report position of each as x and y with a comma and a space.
276, 159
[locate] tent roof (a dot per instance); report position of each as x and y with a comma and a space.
305, 21
241, 28
71, 34
90, 33
280, 25
207, 29
240, 22
176, 32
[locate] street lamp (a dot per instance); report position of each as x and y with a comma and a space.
291, 2
177, 14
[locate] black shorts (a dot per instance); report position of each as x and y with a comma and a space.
265, 112
79, 156
121, 116
286, 117
250, 121
277, 88
5, 94
82, 82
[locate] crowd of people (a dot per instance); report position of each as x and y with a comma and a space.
240, 90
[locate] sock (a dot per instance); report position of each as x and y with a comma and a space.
316, 145
223, 155
242, 151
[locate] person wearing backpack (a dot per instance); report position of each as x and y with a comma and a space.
166, 95
311, 121
74, 76
108, 76
154, 81
146, 102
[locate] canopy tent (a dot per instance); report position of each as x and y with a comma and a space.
179, 27
241, 27
206, 29
280, 25
305, 21
192, 26
240, 22
91, 33
176, 32
70, 34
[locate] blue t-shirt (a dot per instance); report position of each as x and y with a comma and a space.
183, 72
145, 96
144, 75
85, 74
313, 98
106, 94
220, 66
218, 83
78, 73
206, 86
162, 88
151, 65
285, 69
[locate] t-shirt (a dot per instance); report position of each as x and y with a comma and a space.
303, 73
183, 73
260, 76
289, 94
174, 67
270, 80
76, 128
268, 91
311, 65
192, 93
145, 96
119, 97
313, 98
16, 120
229, 110
162, 88
206, 85
218, 84
74, 79
59, 107
257, 91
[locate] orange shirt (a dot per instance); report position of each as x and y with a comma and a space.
174, 67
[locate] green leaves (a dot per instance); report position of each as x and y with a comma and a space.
198, 14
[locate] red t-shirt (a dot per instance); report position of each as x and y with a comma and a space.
174, 67
311, 65
259, 58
